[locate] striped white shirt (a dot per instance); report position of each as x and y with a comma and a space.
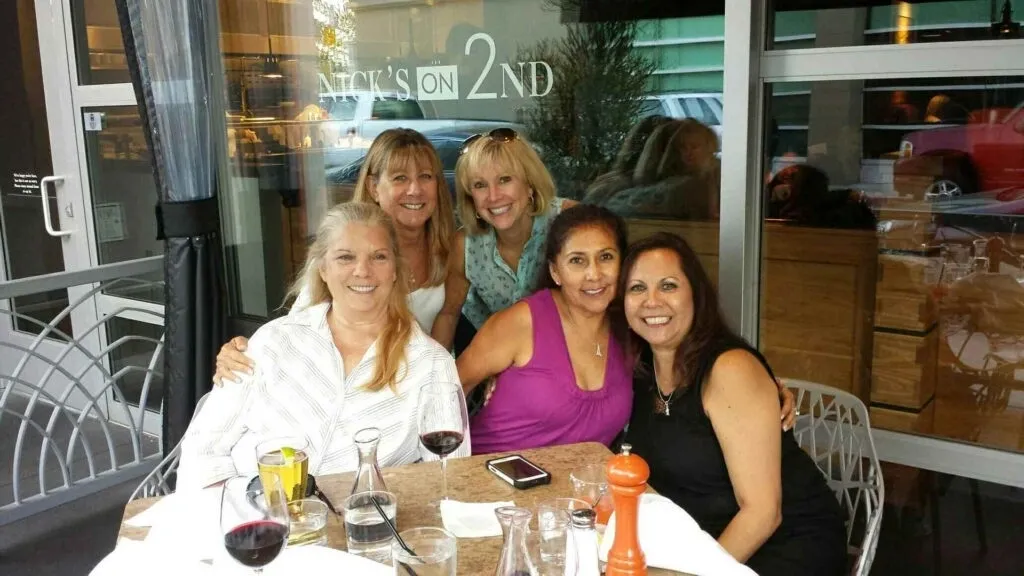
300, 389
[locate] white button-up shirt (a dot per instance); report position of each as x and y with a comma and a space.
300, 389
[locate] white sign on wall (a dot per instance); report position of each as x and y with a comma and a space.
110, 222
533, 79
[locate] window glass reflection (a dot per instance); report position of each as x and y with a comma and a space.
310, 84
906, 196
868, 22
98, 43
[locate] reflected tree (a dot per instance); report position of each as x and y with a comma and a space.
599, 81
336, 24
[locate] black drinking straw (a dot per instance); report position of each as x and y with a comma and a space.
394, 531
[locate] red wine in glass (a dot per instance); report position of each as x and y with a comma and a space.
256, 544
254, 523
442, 442
443, 422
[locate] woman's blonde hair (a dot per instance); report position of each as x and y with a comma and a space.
393, 339
394, 150
514, 156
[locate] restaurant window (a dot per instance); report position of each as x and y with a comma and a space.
892, 256
123, 189
800, 24
100, 49
311, 83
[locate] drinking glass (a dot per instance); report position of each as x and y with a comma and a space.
552, 541
435, 553
287, 459
590, 484
366, 531
308, 522
443, 422
255, 528
980, 247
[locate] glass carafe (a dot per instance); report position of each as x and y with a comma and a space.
368, 477
515, 556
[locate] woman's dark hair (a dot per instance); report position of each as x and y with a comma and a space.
700, 346
577, 218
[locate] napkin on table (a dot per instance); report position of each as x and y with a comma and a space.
131, 558
471, 519
671, 539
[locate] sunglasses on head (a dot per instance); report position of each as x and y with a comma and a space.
498, 134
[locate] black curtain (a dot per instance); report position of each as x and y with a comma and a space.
172, 51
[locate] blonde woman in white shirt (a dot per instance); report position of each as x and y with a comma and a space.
354, 358
403, 175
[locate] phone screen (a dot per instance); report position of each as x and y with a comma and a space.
517, 469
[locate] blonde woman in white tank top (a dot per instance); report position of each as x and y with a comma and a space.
403, 175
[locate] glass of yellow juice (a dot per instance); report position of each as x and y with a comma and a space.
286, 458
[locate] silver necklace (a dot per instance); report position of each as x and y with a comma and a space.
662, 404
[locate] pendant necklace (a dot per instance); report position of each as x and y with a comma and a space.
598, 352
661, 403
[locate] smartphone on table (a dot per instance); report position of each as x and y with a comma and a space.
518, 471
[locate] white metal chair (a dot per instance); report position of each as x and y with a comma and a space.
833, 427
157, 482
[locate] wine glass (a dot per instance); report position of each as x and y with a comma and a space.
254, 523
443, 422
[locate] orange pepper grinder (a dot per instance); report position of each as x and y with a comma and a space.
627, 478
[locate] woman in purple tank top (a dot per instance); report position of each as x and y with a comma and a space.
562, 373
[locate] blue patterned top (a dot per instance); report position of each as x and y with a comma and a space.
493, 286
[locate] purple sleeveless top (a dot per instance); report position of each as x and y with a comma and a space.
540, 404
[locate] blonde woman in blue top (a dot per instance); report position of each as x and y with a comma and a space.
506, 201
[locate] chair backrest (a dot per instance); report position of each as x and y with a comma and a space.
834, 429
158, 482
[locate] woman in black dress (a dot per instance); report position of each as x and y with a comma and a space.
706, 418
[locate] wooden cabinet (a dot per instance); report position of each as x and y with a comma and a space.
904, 369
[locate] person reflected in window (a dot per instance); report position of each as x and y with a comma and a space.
705, 418
801, 194
676, 176
506, 201
621, 175
402, 174
354, 357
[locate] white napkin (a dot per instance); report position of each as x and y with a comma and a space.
471, 519
170, 506
307, 560
132, 557
189, 526
671, 539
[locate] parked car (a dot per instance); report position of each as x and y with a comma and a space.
984, 155
706, 108
366, 114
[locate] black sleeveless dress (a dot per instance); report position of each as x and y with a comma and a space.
688, 467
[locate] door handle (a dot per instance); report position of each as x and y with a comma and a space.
46, 206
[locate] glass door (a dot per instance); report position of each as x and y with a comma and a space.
76, 192
41, 207
120, 193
